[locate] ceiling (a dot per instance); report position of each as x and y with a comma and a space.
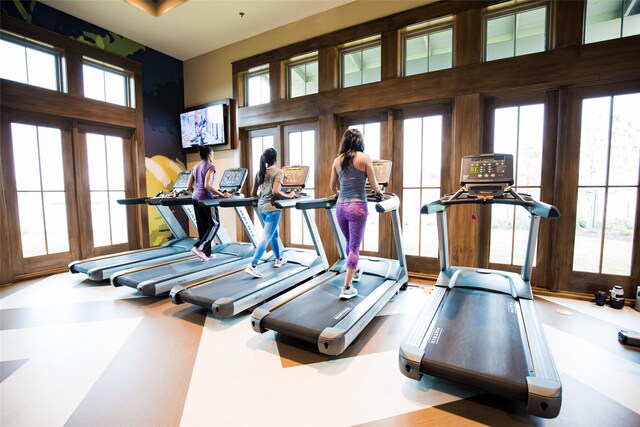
196, 26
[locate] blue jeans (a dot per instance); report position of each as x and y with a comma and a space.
269, 235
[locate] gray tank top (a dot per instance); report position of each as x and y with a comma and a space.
352, 183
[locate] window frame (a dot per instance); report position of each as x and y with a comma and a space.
129, 91
500, 11
257, 71
425, 32
294, 63
370, 42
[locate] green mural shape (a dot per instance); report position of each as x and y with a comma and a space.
112, 43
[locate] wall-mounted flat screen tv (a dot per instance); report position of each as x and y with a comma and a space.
205, 125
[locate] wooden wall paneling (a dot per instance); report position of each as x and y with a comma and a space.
567, 23
75, 80
543, 273
386, 245
7, 229
565, 192
75, 247
609, 61
328, 69
82, 193
139, 168
277, 81
467, 38
463, 230
328, 140
391, 55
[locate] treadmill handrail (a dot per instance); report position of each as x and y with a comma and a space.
390, 202
177, 201
533, 206
133, 201
233, 202
322, 203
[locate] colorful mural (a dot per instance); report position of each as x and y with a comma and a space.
162, 94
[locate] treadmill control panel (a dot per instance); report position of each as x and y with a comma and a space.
233, 179
182, 181
487, 169
382, 170
295, 176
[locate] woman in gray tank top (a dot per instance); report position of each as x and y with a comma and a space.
349, 172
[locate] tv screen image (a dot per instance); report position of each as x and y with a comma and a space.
204, 126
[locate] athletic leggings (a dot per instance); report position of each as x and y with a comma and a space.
207, 220
352, 218
269, 235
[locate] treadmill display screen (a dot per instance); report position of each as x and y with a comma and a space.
487, 168
233, 178
295, 176
182, 181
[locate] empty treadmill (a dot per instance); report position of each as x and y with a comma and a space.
313, 311
101, 267
480, 326
160, 278
234, 292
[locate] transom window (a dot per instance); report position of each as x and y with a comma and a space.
607, 184
422, 158
510, 32
611, 19
302, 74
518, 131
428, 47
107, 84
257, 89
361, 64
30, 63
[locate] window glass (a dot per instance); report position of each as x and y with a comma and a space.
611, 19
30, 65
39, 174
303, 79
422, 157
428, 52
518, 131
607, 184
106, 85
258, 89
514, 34
361, 66
302, 152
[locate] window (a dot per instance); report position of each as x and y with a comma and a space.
607, 184
301, 149
41, 192
30, 63
611, 19
362, 64
257, 86
516, 33
422, 157
107, 84
428, 47
518, 131
302, 74
105, 155
371, 135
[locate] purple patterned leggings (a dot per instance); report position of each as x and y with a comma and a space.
352, 218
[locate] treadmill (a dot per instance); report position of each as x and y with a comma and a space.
236, 291
160, 278
313, 312
101, 267
480, 326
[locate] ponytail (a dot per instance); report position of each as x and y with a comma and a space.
268, 158
352, 142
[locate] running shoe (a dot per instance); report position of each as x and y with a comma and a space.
252, 270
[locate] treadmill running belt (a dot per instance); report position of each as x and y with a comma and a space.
176, 268
477, 341
207, 293
319, 308
83, 267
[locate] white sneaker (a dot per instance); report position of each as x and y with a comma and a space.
279, 262
348, 293
253, 271
199, 254
210, 257
357, 275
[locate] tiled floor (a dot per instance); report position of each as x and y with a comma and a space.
78, 353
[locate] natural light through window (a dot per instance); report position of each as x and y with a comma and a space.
303, 77
611, 19
361, 66
515, 34
106, 85
258, 90
31, 65
301, 151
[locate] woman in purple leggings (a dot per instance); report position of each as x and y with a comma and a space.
351, 169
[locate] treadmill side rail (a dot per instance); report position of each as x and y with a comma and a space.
544, 397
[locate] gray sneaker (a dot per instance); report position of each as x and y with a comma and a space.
357, 275
279, 262
253, 271
349, 292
